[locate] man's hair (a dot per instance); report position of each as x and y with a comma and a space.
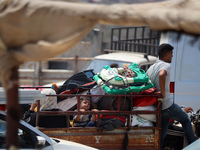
163, 49
114, 65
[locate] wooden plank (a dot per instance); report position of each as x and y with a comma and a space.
137, 138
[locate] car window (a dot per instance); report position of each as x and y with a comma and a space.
144, 67
27, 138
2, 133
98, 64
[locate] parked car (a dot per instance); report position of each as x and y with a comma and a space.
31, 138
143, 60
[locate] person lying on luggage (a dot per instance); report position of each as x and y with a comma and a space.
85, 120
47, 121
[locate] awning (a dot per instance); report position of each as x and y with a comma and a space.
33, 30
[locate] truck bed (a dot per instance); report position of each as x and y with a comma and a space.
138, 137
147, 138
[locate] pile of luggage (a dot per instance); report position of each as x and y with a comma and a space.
83, 83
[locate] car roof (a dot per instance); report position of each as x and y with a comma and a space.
127, 57
26, 96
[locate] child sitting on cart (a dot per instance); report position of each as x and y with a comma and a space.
84, 120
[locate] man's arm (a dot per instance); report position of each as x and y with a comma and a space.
162, 76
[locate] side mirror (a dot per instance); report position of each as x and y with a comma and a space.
40, 142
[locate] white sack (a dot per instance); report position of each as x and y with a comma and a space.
150, 117
139, 121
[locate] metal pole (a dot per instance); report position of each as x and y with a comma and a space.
13, 111
76, 64
97, 42
37, 73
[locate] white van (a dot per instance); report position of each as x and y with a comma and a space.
143, 60
185, 68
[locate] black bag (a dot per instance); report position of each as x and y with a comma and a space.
81, 80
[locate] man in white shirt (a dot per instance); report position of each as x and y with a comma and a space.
159, 74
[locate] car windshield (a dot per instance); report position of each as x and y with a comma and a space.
98, 64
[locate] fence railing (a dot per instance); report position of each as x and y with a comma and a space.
118, 111
135, 39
